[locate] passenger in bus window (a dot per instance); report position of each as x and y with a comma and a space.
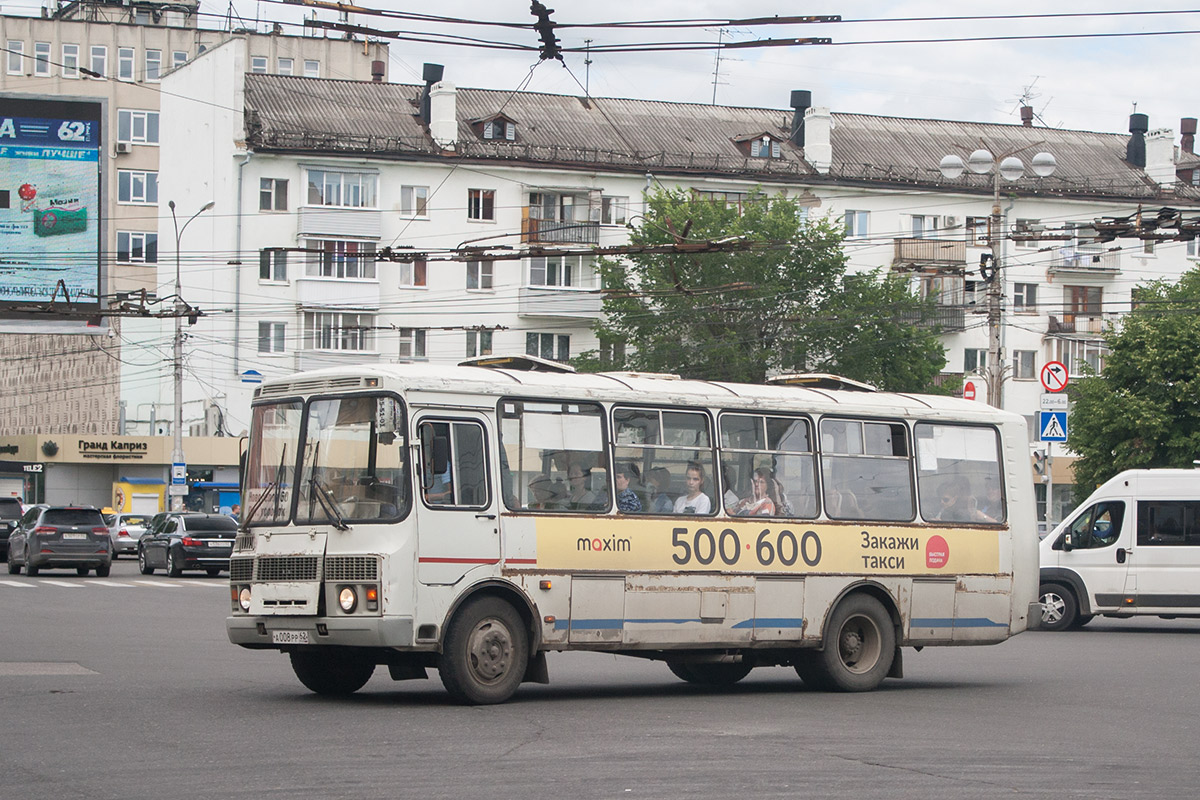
760, 503
958, 504
627, 500
545, 494
695, 501
991, 505
659, 479
580, 497
731, 497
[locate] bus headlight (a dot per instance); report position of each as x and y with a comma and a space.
244, 598
348, 599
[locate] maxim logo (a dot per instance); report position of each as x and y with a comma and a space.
612, 544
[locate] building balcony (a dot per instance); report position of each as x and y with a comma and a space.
337, 293
929, 252
341, 223
319, 359
950, 319
553, 301
1088, 262
545, 231
1091, 324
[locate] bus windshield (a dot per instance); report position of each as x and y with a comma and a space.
271, 458
354, 461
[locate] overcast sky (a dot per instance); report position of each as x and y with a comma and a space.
1089, 84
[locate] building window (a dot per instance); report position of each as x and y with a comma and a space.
153, 65
412, 343
70, 61
100, 59
857, 223
16, 57
974, 360
414, 201
1083, 300
1025, 365
481, 204
258, 65
479, 274
272, 264
137, 187
331, 258
1026, 227
552, 271
137, 248
138, 127
736, 200
479, 343
543, 345
977, 231
1192, 249
500, 129
766, 147
1148, 247
125, 63
312, 68
412, 273
272, 337
41, 59
272, 194
614, 210
345, 189
923, 225
286, 66
1025, 297
332, 330
178, 58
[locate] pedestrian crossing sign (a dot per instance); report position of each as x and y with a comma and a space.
1052, 426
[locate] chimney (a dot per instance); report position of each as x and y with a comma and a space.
443, 114
1160, 158
818, 150
377, 70
801, 101
431, 74
1027, 116
1187, 127
1135, 151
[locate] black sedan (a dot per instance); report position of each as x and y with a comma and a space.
187, 541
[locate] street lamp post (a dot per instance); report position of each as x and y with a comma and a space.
1010, 169
178, 462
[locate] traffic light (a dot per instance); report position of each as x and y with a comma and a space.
1039, 462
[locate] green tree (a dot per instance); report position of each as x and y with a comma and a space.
1144, 410
779, 300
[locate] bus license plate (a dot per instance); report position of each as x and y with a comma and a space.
289, 637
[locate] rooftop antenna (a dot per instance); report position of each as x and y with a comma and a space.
717, 65
587, 68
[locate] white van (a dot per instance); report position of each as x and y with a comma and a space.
1131, 548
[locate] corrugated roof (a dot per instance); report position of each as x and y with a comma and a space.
315, 115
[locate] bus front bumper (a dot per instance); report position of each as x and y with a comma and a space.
265, 633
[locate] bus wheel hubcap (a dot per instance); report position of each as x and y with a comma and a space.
490, 650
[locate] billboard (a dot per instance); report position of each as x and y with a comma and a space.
50, 211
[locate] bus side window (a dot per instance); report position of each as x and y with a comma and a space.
453, 464
556, 455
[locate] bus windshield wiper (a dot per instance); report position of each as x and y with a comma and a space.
330, 507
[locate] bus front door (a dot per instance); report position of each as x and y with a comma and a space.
457, 526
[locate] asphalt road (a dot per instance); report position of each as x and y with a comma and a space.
126, 688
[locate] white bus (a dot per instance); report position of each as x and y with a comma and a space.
474, 518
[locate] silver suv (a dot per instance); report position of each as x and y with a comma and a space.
52, 537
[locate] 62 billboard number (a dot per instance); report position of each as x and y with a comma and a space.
783, 547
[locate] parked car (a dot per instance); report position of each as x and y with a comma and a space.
178, 541
125, 531
10, 514
53, 537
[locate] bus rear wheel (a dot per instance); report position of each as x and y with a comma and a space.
710, 674
331, 671
860, 643
485, 653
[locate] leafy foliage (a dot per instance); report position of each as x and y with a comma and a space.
783, 305
1144, 410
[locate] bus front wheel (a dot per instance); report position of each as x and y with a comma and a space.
485, 653
331, 671
860, 643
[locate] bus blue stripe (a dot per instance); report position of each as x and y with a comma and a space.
772, 622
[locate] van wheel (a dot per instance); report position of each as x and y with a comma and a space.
860, 643
704, 674
1059, 609
331, 671
485, 652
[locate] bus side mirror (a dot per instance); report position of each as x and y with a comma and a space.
435, 455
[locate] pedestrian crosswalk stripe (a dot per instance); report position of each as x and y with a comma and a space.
63, 583
110, 583
158, 584
18, 584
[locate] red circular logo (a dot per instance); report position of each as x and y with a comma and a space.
49, 219
27, 191
937, 552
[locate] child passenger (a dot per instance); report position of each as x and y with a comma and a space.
695, 501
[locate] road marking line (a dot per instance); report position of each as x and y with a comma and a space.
158, 584
110, 583
63, 583
38, 668
18, 584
